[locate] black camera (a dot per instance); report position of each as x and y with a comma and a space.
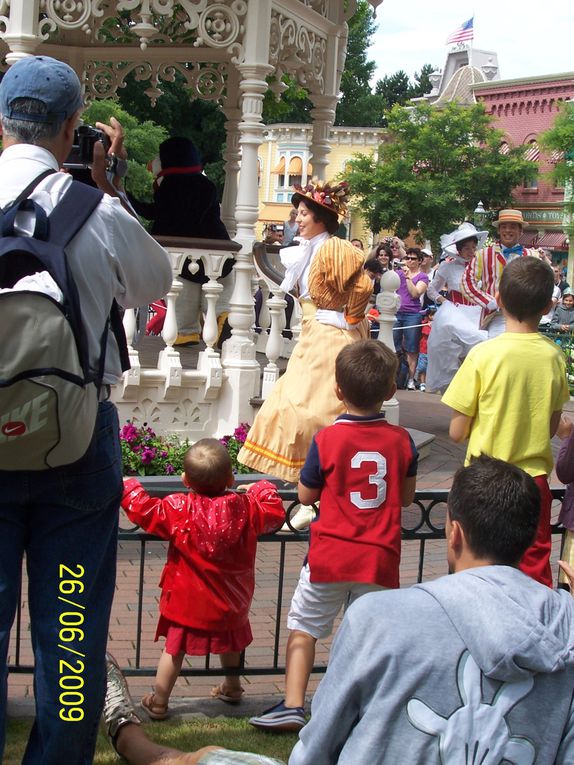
82, 153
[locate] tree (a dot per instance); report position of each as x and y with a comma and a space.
142, 140
357, 102
422, 84
394, 88
560, 139
435, 168
293, 105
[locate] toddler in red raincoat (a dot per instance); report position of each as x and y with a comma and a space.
208, 581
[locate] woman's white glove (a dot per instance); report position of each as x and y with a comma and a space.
334, 318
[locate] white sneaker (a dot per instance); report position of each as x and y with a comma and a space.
301, 520
422, 387
411, 384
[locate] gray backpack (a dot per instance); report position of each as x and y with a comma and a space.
48, 395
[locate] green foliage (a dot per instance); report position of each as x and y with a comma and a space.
435, 168
359, 106
142, 140
394, 88
560, 138
293, 105
422, 84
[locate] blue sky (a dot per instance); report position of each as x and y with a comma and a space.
530, 39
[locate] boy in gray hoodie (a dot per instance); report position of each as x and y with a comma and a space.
477, 667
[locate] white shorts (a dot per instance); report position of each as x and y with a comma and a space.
315, 605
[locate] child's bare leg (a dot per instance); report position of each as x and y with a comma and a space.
167, 673
232, 683
134, 746
299, 663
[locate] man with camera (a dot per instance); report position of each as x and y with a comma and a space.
65, 518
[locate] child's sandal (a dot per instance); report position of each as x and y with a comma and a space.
154, 710
233, 697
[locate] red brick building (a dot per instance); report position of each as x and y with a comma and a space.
524, 109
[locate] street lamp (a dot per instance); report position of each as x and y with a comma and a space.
479, 215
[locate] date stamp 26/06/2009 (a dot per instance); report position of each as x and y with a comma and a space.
70, 638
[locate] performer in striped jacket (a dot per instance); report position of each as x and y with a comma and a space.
482, 275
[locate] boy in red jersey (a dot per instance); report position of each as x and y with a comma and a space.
363, 470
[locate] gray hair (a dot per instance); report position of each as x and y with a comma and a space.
25, 131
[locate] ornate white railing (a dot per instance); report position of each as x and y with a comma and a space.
213, 398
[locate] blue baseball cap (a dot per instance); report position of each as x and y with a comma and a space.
43, 79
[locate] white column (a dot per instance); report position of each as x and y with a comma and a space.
323, 115
276, 306
253, 87
388, 303
232, 154
21, 34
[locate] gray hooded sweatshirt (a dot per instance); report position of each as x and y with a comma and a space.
476, 668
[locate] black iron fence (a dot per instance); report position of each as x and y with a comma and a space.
423, 523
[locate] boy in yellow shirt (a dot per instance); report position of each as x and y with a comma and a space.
508, 394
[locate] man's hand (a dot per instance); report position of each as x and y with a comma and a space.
115, 133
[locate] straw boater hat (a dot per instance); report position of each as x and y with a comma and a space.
330, 196
509, 216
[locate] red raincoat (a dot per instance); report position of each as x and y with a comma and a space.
209, 577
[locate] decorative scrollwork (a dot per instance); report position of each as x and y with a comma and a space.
298, 50
206, 81
69, 14
220, 26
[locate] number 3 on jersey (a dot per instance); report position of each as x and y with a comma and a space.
376, 478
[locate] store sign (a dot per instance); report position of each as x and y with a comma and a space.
548, 216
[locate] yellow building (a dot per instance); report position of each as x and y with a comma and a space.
284, 159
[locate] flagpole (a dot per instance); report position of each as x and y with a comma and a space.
471, 42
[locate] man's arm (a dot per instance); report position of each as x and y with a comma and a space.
459, 427
114, 188
471, 279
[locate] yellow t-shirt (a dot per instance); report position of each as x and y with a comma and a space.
510, 386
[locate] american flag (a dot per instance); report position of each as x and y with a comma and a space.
463, 32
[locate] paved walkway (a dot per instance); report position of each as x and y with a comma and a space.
422, 411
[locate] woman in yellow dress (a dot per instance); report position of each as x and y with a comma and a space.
333, 290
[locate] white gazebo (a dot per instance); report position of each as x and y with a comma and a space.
230, 52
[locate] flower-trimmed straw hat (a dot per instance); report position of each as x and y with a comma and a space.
330, 196
509, 216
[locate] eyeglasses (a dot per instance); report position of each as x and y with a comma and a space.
411, 257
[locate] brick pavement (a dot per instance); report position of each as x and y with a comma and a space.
422, 411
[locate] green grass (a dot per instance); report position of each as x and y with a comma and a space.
188, 736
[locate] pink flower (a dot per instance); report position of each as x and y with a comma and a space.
148, 454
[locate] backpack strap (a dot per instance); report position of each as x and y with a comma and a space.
66, 219
8, 218
72, 211
28, 190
